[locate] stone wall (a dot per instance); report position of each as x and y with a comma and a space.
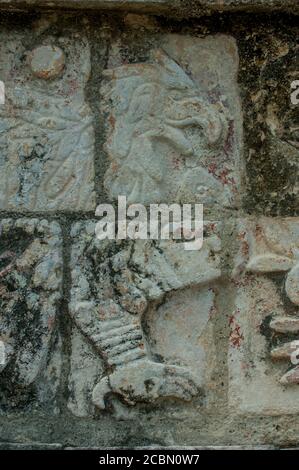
142, 343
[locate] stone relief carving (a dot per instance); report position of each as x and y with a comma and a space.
172, 132
282, 256
116, 287
30, 294
46, 133
267, 283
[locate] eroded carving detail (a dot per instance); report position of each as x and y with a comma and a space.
113, 286
267, 282
30, 292
276, 259
46, 133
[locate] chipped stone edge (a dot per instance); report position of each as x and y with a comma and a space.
180, 8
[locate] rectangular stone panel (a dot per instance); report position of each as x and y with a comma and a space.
174, 123
264, 326
30, 296
145, 312
46, 132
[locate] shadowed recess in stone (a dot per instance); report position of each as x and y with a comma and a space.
30, 293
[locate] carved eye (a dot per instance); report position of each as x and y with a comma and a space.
30, 149
149, 385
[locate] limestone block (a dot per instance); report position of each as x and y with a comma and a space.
30, 294
264, 326
47, 137
174, 123
145, 307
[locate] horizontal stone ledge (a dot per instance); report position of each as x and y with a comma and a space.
185, 8
29, 446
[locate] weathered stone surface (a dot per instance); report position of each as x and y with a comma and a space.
29, 446
175, 124
271, 124
142, 328
85, 371
143, 5
30, 295
46, 139
180, 332
264, 325
171, 7
124, 299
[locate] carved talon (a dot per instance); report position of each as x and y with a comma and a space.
101, 390
291, 377
146, 381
